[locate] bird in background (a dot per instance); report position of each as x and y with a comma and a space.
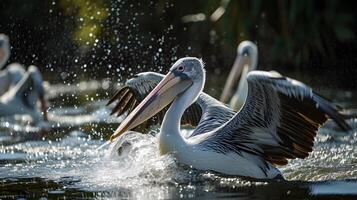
236, 87
20, 90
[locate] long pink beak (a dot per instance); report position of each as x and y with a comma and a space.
233, 77
163, 94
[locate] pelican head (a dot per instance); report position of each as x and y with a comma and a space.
4, 50
247, 57
247, 52
182, 75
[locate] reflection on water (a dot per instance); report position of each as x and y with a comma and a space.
65, 188
60, 159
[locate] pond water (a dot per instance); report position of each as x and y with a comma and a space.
60, 159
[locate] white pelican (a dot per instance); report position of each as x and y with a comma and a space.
4, 50
246, 61
278, 121
13, 73
19, 89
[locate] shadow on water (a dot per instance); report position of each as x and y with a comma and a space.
35, 188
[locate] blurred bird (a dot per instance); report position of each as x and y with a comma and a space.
20, 89
9, 75
4, 50
236, 87
278, 121
245, 62
23, 97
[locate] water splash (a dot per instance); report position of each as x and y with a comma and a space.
69, 154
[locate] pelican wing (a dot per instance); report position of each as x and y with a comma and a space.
133, 92
278, 121
214, 114
137, 88
23, 89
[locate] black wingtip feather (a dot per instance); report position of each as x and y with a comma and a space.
116, 95
331, 111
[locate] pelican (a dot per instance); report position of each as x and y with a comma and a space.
4, 50
279, 121
246, 61
20, 89
13, 73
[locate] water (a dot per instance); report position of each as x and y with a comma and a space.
61, 160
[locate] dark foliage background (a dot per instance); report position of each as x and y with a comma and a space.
72, 40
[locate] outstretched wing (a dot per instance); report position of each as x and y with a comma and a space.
133, 92
137, 88
278, 121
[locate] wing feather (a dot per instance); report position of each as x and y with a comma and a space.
278, 121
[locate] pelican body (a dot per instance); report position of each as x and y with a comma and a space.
20, 89
278, 121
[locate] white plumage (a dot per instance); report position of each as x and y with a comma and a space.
19, 89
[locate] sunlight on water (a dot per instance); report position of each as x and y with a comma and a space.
68, 153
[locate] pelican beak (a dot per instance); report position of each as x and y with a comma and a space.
163, 94
240, 62
2, 53
2, 57
43, 103
43, 107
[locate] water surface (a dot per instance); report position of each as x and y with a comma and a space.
60, 159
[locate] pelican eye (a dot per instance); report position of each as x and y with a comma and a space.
180, 68
245, 52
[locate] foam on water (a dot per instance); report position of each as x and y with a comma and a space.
132, 163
